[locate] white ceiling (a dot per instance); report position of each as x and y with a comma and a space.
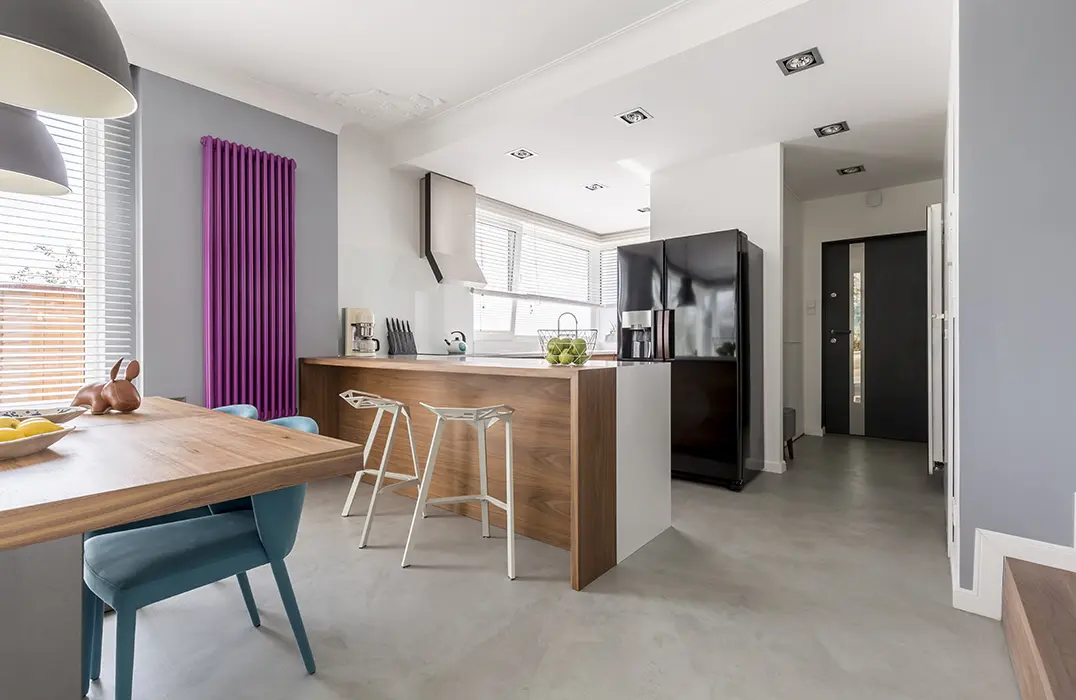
356, 51
454, 84
885, 72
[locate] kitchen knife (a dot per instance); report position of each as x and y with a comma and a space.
411, 349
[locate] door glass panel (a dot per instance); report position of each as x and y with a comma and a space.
857, 337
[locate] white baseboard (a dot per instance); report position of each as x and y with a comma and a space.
765, 465
991, 548
774, 466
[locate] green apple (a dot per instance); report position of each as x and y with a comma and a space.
567, 358
579, 346
580, 359
552, 358
553, 346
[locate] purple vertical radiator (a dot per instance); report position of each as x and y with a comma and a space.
248, 262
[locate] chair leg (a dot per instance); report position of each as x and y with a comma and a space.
483, 481
414, 455
365, 456
379, 481
510, 498
98, 638
125, 640
424, 488
287, 595
791, 454
248, 598
88, 606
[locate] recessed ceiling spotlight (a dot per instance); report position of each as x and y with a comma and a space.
831, 129
643, 210
854, 170
521, 154
634, 116
799, 62
594, 187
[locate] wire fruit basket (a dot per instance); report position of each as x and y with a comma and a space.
564, 347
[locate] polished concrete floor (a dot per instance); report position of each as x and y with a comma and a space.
828, 582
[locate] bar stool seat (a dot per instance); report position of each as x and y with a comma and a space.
482, 419
363, 400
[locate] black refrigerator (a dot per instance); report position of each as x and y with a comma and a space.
696, 302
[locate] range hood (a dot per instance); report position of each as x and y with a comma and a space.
448, 221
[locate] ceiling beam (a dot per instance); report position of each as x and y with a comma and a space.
674, 30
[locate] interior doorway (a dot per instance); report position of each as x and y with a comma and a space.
875, 337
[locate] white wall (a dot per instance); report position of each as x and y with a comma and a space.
792, 236
839, 218
379, 263
745, 191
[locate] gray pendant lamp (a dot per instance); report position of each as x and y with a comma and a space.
30, 160
64, 57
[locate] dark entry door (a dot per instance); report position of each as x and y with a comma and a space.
875, 337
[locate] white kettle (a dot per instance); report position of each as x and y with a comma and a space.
458, 344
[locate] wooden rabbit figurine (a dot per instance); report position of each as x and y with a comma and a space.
116, 394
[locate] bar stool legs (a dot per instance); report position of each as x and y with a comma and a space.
363, 400
510, 511
481, 419
424, 489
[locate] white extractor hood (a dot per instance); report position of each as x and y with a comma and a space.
448, 219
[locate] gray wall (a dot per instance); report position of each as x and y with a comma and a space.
174, 116
1017, 283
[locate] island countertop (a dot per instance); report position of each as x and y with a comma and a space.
494, 366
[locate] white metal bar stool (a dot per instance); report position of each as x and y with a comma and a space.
363, 400
481, 419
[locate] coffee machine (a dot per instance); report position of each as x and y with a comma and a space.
359, 340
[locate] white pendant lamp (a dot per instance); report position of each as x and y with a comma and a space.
30, 160
64, 57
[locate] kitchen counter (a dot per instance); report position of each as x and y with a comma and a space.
591, 442
466, 364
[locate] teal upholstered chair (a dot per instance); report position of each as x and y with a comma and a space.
243, 410
135, 568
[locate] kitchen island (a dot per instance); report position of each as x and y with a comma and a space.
591, 443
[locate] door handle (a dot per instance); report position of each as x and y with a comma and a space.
834, 331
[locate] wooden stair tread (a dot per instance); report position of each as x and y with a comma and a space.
1039, 615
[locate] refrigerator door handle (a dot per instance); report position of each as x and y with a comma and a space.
666, 323
656, 348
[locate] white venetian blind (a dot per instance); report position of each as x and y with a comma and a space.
607, 277
67, 290
495, 252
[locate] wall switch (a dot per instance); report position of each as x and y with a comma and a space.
812, 307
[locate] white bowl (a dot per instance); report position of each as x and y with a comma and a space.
57, 415
28, 446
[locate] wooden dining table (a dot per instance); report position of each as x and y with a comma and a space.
115, 469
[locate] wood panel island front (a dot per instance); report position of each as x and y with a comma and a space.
591, 443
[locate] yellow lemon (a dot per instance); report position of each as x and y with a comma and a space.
7, 434
37, 427
6, 422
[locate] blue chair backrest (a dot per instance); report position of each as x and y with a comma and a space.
277, 512
243, 410
307, 425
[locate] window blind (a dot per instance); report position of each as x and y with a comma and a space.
607, 277
67, 292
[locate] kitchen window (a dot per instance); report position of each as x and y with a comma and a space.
536, 269
67, 291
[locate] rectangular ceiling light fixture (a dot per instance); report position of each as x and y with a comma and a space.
521, 154
594, 187
854, 170
634, 116
831, 129
799, 62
